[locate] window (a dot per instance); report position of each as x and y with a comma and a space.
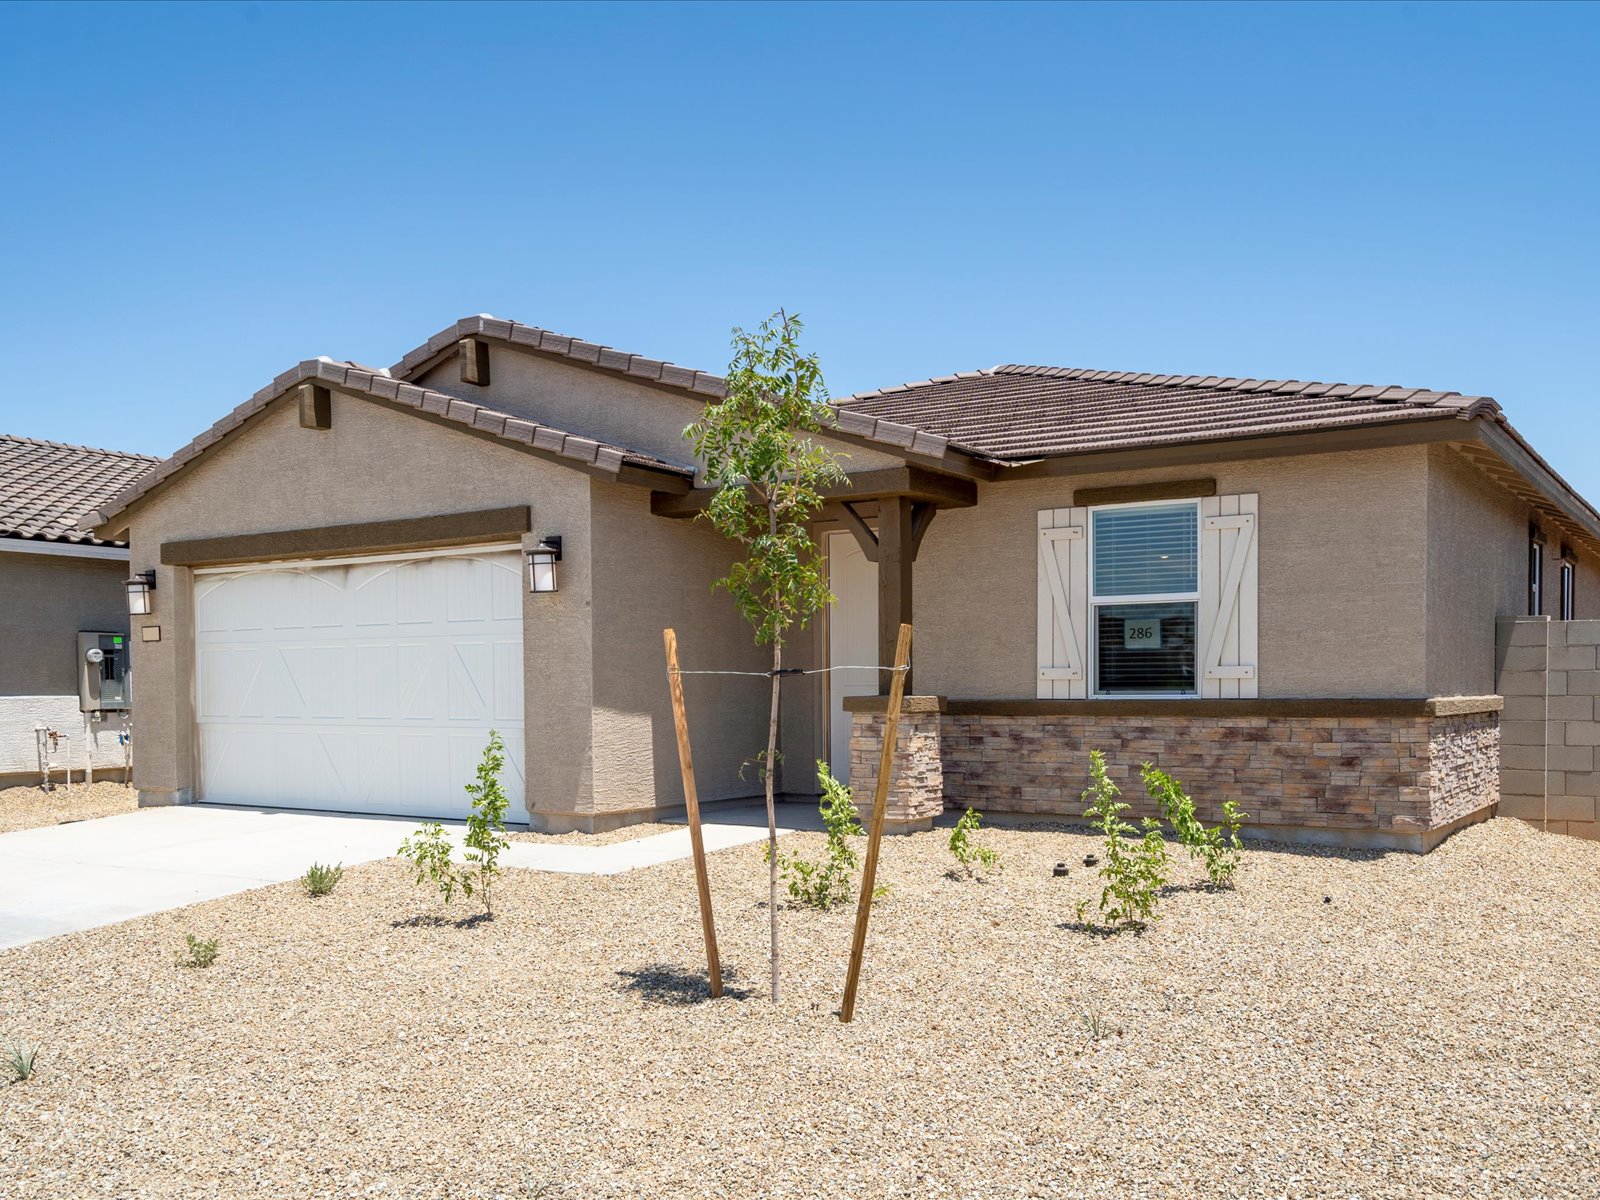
1569, 584
1535, 571
1145, 595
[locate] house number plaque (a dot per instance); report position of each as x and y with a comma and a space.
1143, 634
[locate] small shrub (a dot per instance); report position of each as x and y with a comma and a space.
486, 827
20, 1059
1133, 875
830, 882
201, 953
968, 853
1219, 845
429, 850
320, 879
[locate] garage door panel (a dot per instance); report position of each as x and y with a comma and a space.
508, 681
367, 687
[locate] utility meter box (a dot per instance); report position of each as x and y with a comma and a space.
103, 683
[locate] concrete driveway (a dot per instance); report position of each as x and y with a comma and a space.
65, 878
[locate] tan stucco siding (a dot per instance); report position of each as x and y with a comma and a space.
598, 404
373, 464
1342, 577
44, 601
649, 574
1478, 570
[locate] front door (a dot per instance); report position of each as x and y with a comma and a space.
852, 641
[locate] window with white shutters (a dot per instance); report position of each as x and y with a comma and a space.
1149, 600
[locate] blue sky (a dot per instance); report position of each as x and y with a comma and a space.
196, 197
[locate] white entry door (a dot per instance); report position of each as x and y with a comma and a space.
362, 685
852, 641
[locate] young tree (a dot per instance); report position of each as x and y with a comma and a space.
769, 475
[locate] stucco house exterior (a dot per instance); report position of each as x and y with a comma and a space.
58, 581
1284, 592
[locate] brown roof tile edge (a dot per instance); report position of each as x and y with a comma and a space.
607, 358
1475, 405
380, 385
652, 370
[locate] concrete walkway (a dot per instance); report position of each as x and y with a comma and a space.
65, 878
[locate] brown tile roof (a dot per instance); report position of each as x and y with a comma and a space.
47, 488
380, 385
1014, 413
892, 435
531, 337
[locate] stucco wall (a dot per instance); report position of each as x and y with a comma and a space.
651, 573
1478, 571
19, 747
597, 404
45, 600
1342, 571
373, 464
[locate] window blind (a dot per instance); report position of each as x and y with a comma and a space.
1147, 551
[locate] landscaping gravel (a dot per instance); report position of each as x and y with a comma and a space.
1343, 1025
32, 807
609, 837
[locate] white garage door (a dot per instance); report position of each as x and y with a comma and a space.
362, 685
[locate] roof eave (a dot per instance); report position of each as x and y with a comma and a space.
569, 450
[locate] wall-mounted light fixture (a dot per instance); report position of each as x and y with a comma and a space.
542, 560
139, 589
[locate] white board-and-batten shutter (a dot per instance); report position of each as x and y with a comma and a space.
1229, 611
1063, 604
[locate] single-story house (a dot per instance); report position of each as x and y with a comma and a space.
61, 596
1284, 592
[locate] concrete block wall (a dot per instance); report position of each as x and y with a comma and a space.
1549, 673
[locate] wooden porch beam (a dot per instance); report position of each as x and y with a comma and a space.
895, 554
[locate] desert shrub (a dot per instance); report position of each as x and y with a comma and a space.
971, 856
429, 850
201, 953
20, 1059
1219, 845
1133, 873
320, 879
831, 881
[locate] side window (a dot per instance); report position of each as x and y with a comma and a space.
1536, 545
1569, 584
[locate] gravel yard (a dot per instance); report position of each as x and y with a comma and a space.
32, 807
1428, 1031
608, 838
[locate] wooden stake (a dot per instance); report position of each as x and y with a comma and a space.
691, 802
880, 802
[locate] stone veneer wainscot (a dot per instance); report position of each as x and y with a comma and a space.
1396, 774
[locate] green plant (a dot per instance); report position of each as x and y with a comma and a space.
201, 953
829, 882
20, 1059
486, 826
769, 473
1133, 874
321, 879
1094, 1023
1219, 845
429, 850
968, 853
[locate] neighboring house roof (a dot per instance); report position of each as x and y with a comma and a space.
47, 487
1017, 413
379, 385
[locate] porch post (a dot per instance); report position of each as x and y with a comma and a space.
896, 553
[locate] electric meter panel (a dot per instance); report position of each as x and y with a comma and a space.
103, 681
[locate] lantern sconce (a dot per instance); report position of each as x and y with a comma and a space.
542, 560
139, 589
